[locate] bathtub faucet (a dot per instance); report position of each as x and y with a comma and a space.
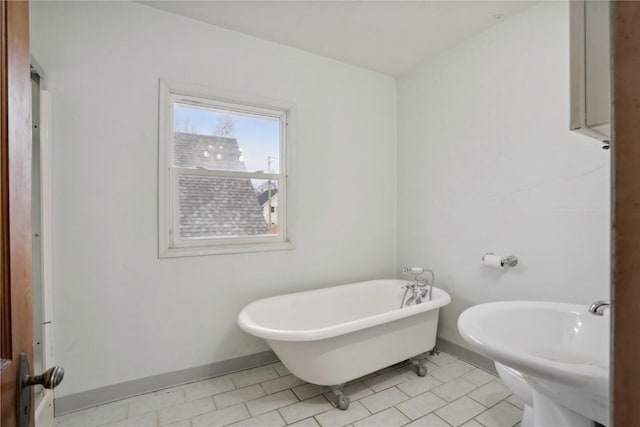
420, 287
418, 293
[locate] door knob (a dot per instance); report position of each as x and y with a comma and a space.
50, 378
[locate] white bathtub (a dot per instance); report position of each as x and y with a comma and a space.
333, 335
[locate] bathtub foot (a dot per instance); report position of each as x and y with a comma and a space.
434, 351
420, 366
342, 401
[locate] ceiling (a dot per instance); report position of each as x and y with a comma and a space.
385, 36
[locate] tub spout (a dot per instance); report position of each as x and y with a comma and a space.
419, 292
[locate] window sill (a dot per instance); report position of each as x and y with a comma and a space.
224, 249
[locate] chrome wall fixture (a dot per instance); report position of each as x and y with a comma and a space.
597, 308
505, 261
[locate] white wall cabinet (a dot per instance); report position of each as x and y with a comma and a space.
590, 69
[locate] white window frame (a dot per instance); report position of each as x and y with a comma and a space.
170, 244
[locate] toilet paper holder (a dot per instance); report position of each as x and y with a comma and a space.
505, 261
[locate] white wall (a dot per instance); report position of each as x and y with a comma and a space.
486, 163
120, 312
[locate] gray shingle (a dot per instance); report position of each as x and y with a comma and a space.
215, 206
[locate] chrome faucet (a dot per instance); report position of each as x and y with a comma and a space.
597, 308
420, 287
419, 292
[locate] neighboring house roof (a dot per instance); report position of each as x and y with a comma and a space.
207, 151
215, 206
264, 196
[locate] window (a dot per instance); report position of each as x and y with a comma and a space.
222, 173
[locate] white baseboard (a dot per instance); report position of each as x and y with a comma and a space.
467, 355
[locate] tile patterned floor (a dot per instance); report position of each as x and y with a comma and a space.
454, 393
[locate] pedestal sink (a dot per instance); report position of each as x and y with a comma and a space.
561, 349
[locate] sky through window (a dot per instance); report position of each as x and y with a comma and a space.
258, 136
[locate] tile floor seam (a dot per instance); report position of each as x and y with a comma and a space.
498, 402
477, 420
289, 404
466, 395
369, 413
313, 417
306, 400
426, 415
505, 401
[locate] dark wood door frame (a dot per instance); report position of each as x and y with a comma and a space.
15, 200
625, 290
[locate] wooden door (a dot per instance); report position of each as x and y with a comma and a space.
626, 213
15, 201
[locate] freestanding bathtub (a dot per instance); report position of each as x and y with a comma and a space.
333, 335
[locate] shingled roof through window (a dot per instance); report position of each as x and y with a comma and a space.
212, 206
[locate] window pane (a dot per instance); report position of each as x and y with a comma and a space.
267, 190
218, 139
226, 207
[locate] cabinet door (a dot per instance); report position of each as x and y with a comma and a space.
590, 69
597, 63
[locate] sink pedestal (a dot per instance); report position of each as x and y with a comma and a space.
547, 413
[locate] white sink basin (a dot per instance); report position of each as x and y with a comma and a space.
561, 349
